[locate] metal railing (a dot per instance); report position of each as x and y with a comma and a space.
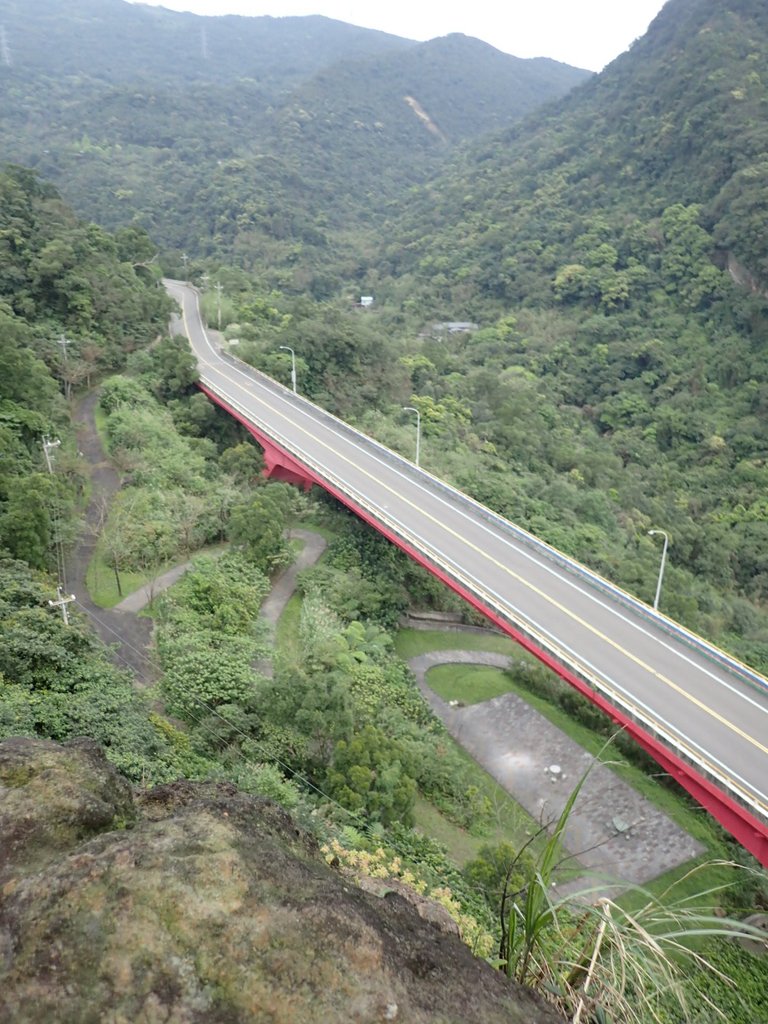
470, 585
714, 654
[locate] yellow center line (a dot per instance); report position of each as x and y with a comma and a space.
504, 568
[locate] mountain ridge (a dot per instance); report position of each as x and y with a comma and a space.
152, 136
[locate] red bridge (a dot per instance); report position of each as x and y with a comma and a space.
701, 714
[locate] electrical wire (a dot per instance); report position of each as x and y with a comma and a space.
359, 821
55, 509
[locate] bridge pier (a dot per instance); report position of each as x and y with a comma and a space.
735, 818
278, 465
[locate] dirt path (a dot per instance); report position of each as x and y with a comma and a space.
145, 595
127, 635
285, 584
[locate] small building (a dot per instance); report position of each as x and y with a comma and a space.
458, 327
450, 327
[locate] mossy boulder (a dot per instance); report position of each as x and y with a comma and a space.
54, 796
214, 907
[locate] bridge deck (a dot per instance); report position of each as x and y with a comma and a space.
683, 693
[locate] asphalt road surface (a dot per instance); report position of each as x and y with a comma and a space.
710, 714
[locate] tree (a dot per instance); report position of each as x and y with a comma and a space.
497, 870
174, 367
243, 462
204, 669
366, 776
224, 594
257, 526
25, 522
315, 708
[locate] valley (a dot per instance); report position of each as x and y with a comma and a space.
600, 240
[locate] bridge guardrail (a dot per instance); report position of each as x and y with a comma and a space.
599, 685
552, 554
688, 637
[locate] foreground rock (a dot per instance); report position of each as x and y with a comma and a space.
195, 903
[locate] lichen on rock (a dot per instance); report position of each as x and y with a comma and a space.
52, 796
213, 907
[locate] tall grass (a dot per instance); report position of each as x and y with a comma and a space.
600, 962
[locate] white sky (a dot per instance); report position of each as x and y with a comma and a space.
585, 33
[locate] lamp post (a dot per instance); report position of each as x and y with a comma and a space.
411, 408
287, 348
665, 535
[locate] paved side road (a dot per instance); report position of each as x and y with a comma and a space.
539, 766
285, 584
280, 593
145, 595
128, 636
274, 604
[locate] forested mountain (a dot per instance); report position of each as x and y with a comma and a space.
611, 248
114, 41
246, 135
611, 253
680, 118
615, 257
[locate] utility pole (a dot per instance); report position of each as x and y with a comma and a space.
410, 408
62, 602
185, 261
63, 340
665, 535
219, 288
48, 447
287, 348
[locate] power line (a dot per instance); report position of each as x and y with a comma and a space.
364, 826
213, 711
361, 823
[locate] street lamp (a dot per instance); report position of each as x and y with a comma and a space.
665, 535
287, 348
410, 408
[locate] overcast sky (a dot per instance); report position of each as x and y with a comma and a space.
585, 33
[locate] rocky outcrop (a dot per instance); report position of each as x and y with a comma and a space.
52, 797
195, 903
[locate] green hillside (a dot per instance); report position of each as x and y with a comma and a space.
245, 136
608, 257
113, 41
612, 252
680, 118
74, 301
